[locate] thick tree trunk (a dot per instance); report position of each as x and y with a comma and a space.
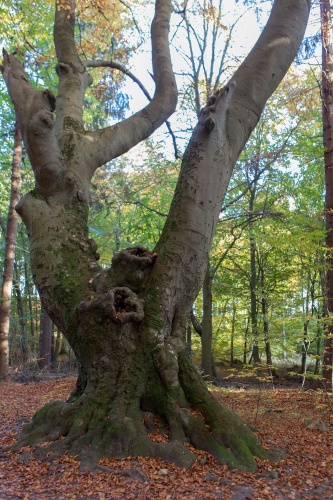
327, 110
11, 232
126, 324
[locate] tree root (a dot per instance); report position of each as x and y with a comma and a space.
90, 435
92, 427
233, 442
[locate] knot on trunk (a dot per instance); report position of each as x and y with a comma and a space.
130, 268
119, 304
206, 117
125, 305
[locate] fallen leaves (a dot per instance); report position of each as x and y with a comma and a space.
306, 471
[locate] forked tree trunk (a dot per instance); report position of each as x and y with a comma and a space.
126, 324
327, 111
11, 232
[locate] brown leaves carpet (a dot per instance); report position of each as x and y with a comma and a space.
280, 418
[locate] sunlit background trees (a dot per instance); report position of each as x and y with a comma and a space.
264, 294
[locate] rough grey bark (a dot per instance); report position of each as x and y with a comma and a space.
206, 74
8, 271
126, 324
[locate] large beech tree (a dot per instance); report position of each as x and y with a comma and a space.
126, 324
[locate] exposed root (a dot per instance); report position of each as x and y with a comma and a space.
229, 439
92, 426
91, 435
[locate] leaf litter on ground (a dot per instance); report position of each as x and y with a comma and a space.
280, 417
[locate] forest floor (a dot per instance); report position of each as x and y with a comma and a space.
280, 416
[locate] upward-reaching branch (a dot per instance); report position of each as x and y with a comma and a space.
121, 67
73, 77
223, 129
33, 110
265, 66
111, 142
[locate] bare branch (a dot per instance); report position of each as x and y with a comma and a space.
111, 142
123, 69
133, 16
150, 209
263, 69
120, 67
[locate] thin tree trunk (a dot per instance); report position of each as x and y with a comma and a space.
245, 341
21, 315
45, 340
264, 310
11, 233
253, 286
28, 292
207, 328
305, 343
56, 346
318, 344
327, 109
232, 336
189, 338
305, 347
284, 339
321, 321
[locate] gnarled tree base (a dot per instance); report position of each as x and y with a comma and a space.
92, 427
